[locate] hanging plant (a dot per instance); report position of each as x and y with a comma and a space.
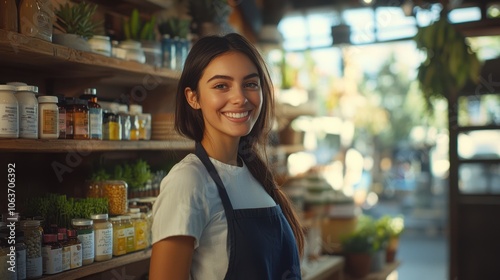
450, 62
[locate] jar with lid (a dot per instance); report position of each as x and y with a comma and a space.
48, 119
119, 239
133, 51
61, 104
28, 111
100, 44
129, 232
33, 241
77, 119
125, 121
20, 255
35, 19
52, 254
7, 255
111, 128
116, 193
9, 119
66, 248
140, 230
85, 232
135, 111
8, 15
95, 113
103, 230
75, 249
144, 126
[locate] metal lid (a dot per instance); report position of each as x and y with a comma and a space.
17, 84
8, 87
33, 89
134, 210
90, 91
82, 222
124, 217
47, 99
99, 217
115, 219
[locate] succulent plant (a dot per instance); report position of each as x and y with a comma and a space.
77, 19
134, 29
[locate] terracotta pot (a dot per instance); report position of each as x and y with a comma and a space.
392, 248
358, 264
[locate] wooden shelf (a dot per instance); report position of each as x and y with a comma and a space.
22, 53
98, 267
380, 275
67, 145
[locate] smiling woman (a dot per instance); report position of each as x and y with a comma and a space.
207, 225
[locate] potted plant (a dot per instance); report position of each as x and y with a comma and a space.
394, 226
76, 23
141, 41
381, 239
210, 16
358, 247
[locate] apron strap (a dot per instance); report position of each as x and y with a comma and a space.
203, 156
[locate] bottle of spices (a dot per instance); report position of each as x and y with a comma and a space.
85, 232
125, 121
35, 19
129, 232
111, 128
20, 255
103, 244
9, 120
116, 193
140, 230
33, 240
8, 15
95, 113
28, 111
66, 248
75, 249
119, 239
48, 119
61, 104
52, 254
77, 119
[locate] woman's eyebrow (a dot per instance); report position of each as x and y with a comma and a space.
224, 77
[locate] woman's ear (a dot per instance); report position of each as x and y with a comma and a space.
192, 98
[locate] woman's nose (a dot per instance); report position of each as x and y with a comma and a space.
238, 96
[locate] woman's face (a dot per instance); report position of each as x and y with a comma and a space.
229, 96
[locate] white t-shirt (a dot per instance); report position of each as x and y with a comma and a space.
189, 204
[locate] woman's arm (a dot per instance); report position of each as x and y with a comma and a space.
171, 258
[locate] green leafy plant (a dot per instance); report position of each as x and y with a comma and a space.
175, 27
362, 239
137, 30
77, 19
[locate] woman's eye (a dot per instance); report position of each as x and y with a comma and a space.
220, 86
252, 85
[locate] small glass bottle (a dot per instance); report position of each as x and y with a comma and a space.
28, 111
48, 119
75, 248
129, 232
125, 121
35, 19
61, 104
77, 119
144, 126
119, 239
85, 231
52, 254
66, 248
103, 243
135, 111
95, 113
33, 241
9, 119
112, 129
140, 230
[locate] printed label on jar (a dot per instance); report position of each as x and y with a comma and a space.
34, 267
52, 260
80, 124
95, 122
21, 264
120, 242
49, 121
28, 121
130, 236
140, 235
66, 258
75, 256
8, 119
62, 124
103, 242
87, 240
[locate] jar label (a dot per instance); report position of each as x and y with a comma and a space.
28, 121
80, 124
34, 267
52, 260
95, 123
130, 236
141, 228
119, 242
8, 119
49, 121
66, 258
76, 256
87, 240
21, 263
62, 125
103, 242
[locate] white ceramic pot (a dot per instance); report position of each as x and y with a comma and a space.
71, 41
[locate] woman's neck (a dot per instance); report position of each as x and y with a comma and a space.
223, 151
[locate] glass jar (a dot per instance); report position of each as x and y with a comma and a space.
20, 255
119, 239
28, 111
133, 50
129, 232
94, 189
33, 241
140, 230
35, 19
103, 244
66, 248
75, 249
112, 128
144, 126
77, 119
116, 193
85, 232
48, 119
95, 113
125, 121
100, 44
9, 120
52, 254
61, 104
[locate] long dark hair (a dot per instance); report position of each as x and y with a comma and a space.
189, 122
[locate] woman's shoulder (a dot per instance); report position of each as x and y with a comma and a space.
190, 171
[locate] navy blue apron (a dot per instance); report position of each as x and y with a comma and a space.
261, 242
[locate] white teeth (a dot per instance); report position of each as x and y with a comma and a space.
237, 115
